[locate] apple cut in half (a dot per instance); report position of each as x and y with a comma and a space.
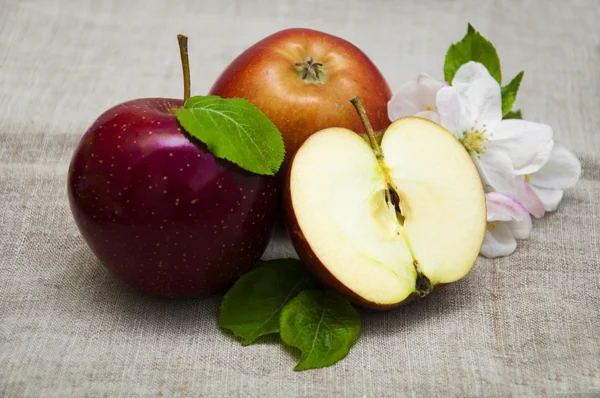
382, 224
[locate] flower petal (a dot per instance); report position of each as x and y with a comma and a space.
502, 207
562, 170
521, 229
414, 97
430, 115
479, 95
425, 80
528, 144
528, 198
405, 102
451, 117
427, 89
496, 172
549, 197
499, 241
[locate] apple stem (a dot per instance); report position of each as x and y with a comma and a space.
392, 196
365, 121
185, 64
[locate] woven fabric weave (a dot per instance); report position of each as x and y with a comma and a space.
528, 324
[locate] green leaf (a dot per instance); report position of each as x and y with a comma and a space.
235, 130
252, 306
513, 115
322, 325
509, 93
472, 47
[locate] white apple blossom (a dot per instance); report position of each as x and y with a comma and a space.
416, 98
504, 151
522, 170
507, 220
562, 171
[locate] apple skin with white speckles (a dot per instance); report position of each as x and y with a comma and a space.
159, 210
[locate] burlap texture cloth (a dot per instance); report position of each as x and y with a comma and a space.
528, 324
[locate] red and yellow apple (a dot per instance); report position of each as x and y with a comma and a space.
302, 80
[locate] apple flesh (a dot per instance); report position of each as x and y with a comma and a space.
302, 79
381, 232
159, 210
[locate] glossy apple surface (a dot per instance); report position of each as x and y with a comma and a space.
159, 210
273, 74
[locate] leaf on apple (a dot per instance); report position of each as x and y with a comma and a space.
472, 47
251, 308
235, 130
323, 325
509, 93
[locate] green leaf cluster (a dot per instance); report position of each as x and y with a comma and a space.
474, 47
281, 296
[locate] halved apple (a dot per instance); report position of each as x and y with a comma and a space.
384, 223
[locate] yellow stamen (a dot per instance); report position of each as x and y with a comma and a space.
527, 178
475, 140
492, 225
428, 107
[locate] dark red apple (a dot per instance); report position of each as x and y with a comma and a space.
158, 209
303, 80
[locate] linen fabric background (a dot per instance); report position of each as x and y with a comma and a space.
528, 324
